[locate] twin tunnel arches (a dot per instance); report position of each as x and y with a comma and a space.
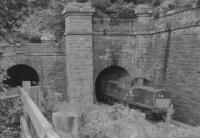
21, 72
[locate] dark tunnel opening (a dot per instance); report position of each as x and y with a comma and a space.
110, 73
19, 73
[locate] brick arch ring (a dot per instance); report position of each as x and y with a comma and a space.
126, 67
7, 63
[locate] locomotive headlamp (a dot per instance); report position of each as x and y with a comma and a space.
161, 95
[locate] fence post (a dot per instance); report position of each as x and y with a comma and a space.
24, 128
66, 124
26, 85
36, 95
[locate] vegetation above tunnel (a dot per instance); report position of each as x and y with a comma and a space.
27, 20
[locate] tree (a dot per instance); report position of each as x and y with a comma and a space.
5, 63
12, 12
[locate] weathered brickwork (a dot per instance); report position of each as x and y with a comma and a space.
46, 59
79, 56
54, 73
183, 74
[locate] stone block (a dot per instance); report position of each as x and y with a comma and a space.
66, 124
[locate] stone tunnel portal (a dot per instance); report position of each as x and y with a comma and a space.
19, 73
110, 73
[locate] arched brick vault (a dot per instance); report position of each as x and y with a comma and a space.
100, 67
8, 62
126, 66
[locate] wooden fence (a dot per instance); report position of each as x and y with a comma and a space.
33, 122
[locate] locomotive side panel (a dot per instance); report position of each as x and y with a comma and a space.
143, 97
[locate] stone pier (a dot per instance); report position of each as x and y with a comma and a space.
79, 53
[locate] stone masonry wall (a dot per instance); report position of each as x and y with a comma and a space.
183, 74
179, 35
130, 44
47, 59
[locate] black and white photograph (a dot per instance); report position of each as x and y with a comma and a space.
99, 68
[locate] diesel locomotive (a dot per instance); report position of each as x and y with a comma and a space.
137, 93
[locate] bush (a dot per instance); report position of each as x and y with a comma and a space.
117, 121
108, 122
173, 4
101, 4
10, 111
45, 19
120, 8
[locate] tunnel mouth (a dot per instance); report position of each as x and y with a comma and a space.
19, 73
110, 73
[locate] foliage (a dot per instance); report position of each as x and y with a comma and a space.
118, 121
118, 9
10, 112
101, 4
173, 4
123, 10
4, 64
3, 75
37, 16
12, 12
43, 19
108, 122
